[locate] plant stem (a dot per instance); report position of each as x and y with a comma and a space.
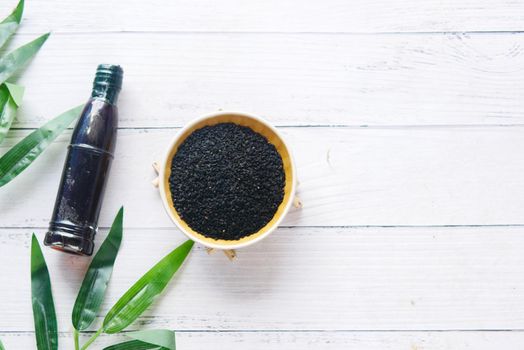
75, 337
92, 339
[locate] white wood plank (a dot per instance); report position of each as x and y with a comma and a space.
289, 79
302, 279
348, 176
300, 63
272, 15
312, 340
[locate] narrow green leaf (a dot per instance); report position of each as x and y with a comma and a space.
21, 155
142, 294
1, 346
161, 337
13, 61
95, 282
42, 300
16, 14
134, 345
16, 91
8, 107
10, 24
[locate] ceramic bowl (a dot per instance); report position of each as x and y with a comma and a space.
255, 123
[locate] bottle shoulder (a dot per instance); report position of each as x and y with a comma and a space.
97, 125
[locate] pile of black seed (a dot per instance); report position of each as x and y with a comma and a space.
227, 181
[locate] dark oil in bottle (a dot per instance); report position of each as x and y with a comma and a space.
75, 217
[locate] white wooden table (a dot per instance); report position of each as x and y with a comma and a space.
406, 120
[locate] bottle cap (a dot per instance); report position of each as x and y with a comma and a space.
108, 82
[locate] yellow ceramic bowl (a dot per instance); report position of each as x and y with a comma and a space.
258, 125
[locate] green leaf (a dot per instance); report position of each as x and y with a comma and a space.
10, 24
42, 300
16, 14
8, 106
134, 345
13, 61
21, 155
161, 337
16, 91
142, 294
1, 346
95, 282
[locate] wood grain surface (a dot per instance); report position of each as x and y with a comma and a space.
273, 15
406, 121
305, 279
316, 340
348, 176
290, 79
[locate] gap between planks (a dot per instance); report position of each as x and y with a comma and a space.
203, 32
334, 126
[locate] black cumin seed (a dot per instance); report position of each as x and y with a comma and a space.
227, 181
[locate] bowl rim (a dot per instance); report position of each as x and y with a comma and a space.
165, 161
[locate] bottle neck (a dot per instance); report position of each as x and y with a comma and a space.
107, 83
105, 92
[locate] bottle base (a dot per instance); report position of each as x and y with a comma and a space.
69, 243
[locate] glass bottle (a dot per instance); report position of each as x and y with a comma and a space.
75, 217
